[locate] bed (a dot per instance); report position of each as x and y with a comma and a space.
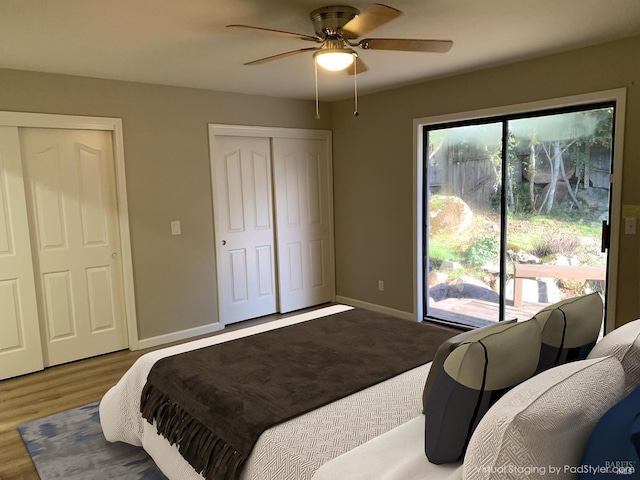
295, 449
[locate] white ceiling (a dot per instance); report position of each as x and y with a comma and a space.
185, 42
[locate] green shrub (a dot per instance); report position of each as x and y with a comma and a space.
484, 249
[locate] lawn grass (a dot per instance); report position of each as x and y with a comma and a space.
526, 233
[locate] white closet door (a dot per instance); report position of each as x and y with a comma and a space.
71, 197
20, 349
305, 264
243, 227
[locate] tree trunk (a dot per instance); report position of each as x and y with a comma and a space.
557, 160
587, 174
532, 176
566, 182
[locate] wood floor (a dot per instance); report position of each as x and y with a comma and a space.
60, 388
50, 391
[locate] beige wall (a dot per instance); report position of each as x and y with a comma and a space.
373, 162
167, 168
168, 178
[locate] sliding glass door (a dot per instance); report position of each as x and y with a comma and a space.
513, 213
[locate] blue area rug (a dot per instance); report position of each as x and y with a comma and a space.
71, 445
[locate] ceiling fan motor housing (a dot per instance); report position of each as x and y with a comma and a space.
327, 21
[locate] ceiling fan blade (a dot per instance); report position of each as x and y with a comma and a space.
359, 64
369, 20
282, 33
279, 56
406, 45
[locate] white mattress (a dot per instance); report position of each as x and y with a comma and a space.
293, 450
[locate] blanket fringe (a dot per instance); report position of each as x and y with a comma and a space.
207, 453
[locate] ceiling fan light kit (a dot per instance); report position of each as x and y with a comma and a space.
337, 28
335, 59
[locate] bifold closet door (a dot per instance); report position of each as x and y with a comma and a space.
303, 215
243, 227
73, 212
20, 348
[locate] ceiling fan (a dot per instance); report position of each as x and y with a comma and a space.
337, 30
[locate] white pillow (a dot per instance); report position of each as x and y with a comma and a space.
624, 344
544, 423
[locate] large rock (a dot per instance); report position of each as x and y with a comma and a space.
541, 290
543, 172
594, 198
448, 265
561, 195
448, 215
463, 287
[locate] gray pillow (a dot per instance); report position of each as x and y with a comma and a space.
570, 329
449, 346
473, 376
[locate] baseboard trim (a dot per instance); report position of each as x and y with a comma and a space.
177, 336
215, 327
376, 308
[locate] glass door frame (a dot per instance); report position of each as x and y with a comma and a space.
558, 105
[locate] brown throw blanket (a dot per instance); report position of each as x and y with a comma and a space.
215, 402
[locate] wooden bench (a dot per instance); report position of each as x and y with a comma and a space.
533, 270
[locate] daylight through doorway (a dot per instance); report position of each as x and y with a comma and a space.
516, 210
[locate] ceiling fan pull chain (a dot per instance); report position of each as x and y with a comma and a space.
317, 101
355, 85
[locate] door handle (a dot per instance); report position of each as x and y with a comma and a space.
604, 240
114, 255
224, 242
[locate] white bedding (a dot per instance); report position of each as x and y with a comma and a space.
395, 455
293, 450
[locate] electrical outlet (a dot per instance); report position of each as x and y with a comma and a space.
380, 285
630, 226
175, 228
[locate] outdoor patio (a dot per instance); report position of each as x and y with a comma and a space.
477, 313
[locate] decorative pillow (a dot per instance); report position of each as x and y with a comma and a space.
570, 329
612, 441
472, 377
624, 344
449, 346
541, 427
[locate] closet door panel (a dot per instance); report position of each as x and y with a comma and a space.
20, 347
303, 216
71, 199
241, 178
